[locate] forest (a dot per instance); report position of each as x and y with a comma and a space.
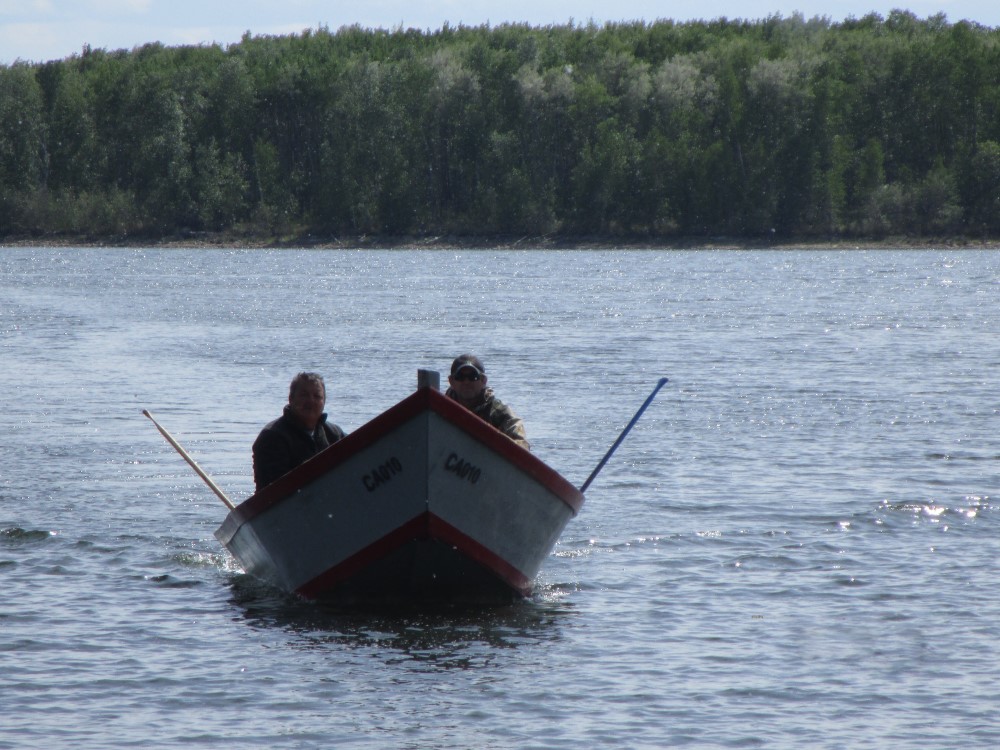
781, 128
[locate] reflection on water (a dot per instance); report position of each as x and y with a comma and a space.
437, 636
802, 529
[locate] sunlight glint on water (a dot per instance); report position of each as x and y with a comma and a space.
795, 547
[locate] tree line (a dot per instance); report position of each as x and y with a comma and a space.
782, 127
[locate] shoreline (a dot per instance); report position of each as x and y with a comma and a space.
540, 242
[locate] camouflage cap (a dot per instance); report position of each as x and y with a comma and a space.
467, 360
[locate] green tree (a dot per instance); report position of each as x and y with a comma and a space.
22, 142
982, 190
872, 126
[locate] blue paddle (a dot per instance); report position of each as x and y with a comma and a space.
648, 401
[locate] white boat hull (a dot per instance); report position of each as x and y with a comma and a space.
425, 501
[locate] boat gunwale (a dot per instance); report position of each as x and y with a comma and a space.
423, 399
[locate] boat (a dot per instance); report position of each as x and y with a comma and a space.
425, 502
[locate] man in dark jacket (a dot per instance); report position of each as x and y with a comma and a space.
468, 387
298, 434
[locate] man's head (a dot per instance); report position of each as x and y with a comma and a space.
307, 397
467, 379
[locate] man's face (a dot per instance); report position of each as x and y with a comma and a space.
307, 403
468, 383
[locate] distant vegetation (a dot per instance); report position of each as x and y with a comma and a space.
782, 128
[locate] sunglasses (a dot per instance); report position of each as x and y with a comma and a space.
466, 375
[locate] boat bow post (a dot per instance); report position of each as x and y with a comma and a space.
429, 379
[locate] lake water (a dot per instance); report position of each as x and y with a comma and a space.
796, 547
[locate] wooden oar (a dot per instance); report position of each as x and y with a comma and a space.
184, 454
621, 437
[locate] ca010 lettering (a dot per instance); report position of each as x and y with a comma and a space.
463, 469
382, 474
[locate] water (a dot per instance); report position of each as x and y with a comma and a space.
797, 546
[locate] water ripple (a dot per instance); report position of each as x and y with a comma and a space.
794, 548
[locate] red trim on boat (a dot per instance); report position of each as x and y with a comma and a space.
502, 445
415, 528
421, 400
445, 532
426, 526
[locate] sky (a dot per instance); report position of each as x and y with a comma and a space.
42, 30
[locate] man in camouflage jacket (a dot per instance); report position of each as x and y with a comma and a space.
468, 387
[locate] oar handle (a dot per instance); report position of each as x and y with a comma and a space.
184, 454
629, 426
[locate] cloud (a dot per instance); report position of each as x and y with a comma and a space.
33, 9
135, 7
26, 8
31, 42
57, 40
